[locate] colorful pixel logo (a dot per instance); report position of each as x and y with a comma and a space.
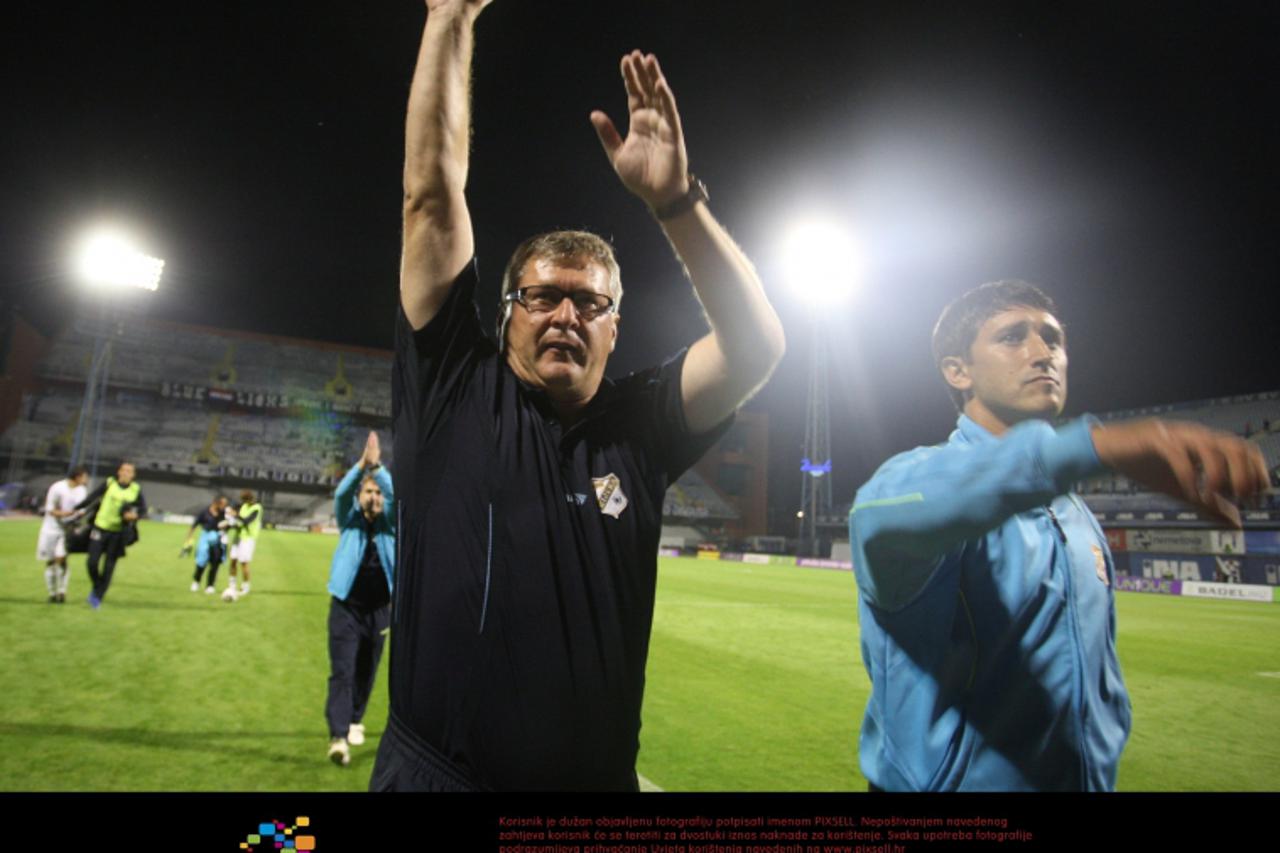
275, 837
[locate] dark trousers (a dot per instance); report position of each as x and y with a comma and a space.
103, 543
355, 646
405, 762
215, 560
213, 573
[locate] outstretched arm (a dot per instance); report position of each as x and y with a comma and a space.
924, 503
94, 496
438, 240
724, 368
921, 505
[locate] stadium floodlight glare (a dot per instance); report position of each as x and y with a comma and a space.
108, 259
821, 262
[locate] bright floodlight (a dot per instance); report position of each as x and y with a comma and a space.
110, 260
822, 262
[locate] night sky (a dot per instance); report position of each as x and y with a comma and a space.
1125, 158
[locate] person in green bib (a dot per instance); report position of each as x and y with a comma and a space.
120, 505
244, 538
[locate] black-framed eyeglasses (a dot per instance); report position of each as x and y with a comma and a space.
541, 298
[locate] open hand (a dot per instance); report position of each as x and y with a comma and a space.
651, 161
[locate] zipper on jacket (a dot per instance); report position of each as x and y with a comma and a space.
1057, 526
1079, 654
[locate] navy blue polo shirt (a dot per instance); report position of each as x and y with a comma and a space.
528, 557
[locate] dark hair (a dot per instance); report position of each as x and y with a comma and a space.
77, 471
958, 326
561, 246
246, 497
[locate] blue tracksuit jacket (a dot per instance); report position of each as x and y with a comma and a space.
987, 617
351, 531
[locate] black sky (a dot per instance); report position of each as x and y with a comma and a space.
1123, 157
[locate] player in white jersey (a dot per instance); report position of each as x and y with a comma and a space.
59, 503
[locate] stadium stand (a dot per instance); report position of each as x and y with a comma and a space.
203, 410
681, 536
692, 497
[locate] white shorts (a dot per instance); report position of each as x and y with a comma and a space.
242, 551
52, 545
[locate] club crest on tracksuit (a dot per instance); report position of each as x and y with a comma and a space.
1100, 564
609, 494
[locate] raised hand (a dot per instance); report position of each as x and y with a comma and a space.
372, 451
651, 161
1202, 466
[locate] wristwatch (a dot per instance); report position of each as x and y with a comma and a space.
697, 193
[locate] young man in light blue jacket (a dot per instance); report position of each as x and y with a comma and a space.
360, 581
986, 607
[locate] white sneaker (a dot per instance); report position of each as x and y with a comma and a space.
339, 753
244, 588
208, 590
355, 734
195, 586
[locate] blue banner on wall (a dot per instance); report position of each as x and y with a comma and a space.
1262, 569
1262, 541
1182, 567
1226, 568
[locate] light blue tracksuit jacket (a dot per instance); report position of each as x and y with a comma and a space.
353, 532
987, 617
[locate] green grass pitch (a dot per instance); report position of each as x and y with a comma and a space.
754, 680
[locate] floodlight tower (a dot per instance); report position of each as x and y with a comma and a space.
815, 465
820, 263
108, 263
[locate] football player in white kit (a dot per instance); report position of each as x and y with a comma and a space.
59, 503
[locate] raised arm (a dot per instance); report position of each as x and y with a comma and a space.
724, 368
438, 240
345, 495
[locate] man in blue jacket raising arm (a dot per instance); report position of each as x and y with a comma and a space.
985, 587
360, 581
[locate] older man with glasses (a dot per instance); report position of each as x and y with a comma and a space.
531, 485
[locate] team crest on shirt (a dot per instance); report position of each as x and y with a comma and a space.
1100, 564
609, 494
